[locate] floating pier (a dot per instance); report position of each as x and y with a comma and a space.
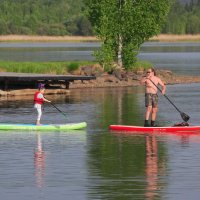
25, 84
12, 81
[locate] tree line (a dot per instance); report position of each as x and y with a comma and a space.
183, 18
67, 17
43, 17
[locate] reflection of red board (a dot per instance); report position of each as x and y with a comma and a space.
177, 129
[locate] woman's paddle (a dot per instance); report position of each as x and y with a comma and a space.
58, 109
184, 116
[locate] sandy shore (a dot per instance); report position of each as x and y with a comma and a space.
176, 38
14, 38
161, 38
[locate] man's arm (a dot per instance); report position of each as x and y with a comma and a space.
143, 80
163, 86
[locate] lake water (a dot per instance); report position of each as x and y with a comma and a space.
95, 163
182, 58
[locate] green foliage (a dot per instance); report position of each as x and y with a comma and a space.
43, 17
41, 67
124, 25
183, 18
106, 55
84, 26
193, 24
3, 26
72, 66
79, 26
141, 65
67, 17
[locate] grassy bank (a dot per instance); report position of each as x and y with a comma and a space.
34, 38
55, 67
41, 67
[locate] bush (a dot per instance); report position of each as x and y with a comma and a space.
72, 66
57, 29
141, 65
84, 26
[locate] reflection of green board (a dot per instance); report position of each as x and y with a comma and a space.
49, 127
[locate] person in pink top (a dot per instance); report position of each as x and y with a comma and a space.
151, 82
39, 100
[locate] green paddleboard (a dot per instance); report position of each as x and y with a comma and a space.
44, 127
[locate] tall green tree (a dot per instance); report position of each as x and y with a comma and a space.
123, 25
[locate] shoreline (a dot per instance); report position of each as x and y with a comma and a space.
176, 38
37, 38
132, 79
105, 80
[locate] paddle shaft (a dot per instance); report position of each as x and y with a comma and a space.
58, 109
166, 96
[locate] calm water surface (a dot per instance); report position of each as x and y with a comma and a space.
182, 58
96, 163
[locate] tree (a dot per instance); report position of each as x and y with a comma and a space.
123, 25
193, 24
3, 26
84, 26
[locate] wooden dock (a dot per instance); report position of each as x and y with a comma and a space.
12, 81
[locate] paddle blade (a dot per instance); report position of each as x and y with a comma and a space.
181, 124
185, 117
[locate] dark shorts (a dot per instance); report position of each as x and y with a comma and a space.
151, 100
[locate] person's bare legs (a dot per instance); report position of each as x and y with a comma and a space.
38, 123
153, 115
154, 112
147, 114
39, 110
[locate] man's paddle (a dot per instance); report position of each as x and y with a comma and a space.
58, 109
184, 116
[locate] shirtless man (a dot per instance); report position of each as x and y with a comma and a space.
151, 97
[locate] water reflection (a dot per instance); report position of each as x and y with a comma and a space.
95, 163
39, 162
127, 166
151, 167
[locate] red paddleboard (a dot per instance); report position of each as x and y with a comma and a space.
173, 129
